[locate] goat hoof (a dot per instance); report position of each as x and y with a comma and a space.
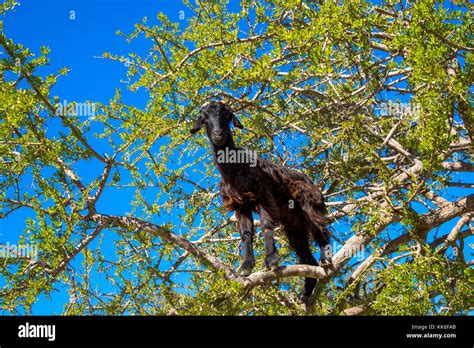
271, 262
326, 262
245, 272
246, 267
272, 267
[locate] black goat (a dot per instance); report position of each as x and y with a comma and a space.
280, 196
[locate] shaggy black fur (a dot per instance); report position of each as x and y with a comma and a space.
280, 197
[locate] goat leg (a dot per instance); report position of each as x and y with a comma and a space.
271, 254
245, 227
248, 262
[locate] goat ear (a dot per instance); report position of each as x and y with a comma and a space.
235, 120
197, 125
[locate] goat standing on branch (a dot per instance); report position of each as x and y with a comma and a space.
280, 197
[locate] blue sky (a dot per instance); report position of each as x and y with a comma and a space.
74, 43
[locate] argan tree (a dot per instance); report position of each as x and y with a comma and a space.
371, 101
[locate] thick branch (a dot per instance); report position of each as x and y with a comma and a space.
453, 235
446, 213
458, 166
262, 277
